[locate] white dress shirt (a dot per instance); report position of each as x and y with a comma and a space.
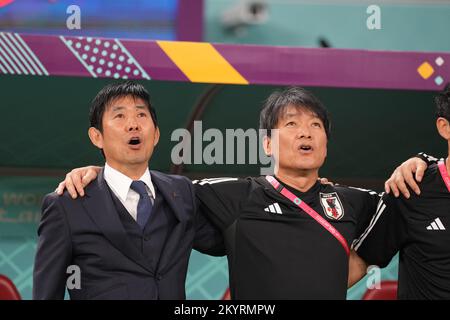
120, 185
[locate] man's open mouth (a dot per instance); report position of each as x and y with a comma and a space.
305, 147
134, 141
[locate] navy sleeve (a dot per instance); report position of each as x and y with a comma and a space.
54, 251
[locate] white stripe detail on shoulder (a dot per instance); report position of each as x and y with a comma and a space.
365, 190
357, 243
429, 158
213, 181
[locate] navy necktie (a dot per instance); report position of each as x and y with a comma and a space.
145, 206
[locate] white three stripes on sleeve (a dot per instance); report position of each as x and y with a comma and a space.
380, 209
213, 181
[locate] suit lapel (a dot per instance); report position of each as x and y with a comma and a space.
175, 201
99, 205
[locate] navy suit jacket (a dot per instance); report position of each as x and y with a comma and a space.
87, 232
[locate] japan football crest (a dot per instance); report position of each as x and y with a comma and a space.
332, 205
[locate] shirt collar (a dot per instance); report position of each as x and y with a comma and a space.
120, 183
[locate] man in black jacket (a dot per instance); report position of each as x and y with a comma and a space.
131, 236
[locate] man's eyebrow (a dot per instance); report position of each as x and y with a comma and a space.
289, 115
117, 108
293, 114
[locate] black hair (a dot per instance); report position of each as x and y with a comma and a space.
114, 91
278, 101
443, 103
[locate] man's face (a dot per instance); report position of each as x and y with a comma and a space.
302, 140
129, 134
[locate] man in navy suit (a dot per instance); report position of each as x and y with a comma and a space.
132, 234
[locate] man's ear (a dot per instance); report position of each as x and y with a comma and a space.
96, 137
443, 127
156, 139
267, 145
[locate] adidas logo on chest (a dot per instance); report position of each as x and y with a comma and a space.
436, 225
274, 208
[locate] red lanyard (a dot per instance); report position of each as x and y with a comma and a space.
296, 200
444, 174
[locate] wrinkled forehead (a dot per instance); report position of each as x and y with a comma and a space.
290, 111
121, 101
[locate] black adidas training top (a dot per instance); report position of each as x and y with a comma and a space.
419, 228
277, 251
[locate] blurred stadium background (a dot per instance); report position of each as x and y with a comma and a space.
43, 132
